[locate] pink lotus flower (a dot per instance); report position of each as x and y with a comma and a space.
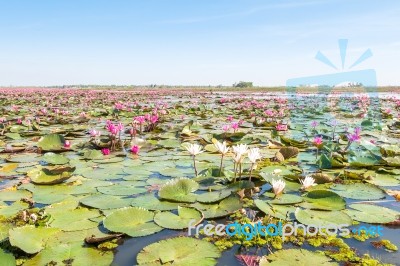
235, 126
19, 121
120, 126
269, 112
119, 106
229, 118
318, 141
314, 124
281, 127
140, 119
135, 149
67, 144
355, 137
154, 119
105, 151
225, 128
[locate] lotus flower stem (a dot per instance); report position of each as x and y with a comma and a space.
251, 171
234, 170
220, 166
194, 165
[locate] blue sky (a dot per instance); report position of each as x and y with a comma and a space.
176, 42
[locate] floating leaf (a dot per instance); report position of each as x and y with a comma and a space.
53, 158
7, 259
225, 207
322, 218
179, 251
31, 239
214, 196
278, 211
359, 191
283, 198
172, 221
51, 142
74, 253
46, 177
324, 200
136, 222
104, 202
151, 202
372, 214
180, 190
295, 257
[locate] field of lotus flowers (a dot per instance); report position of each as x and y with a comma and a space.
103, 177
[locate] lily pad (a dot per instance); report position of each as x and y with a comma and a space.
7, 259
31, 239
225, 207
51, 142
322, 218
179, 251
214, 196
359, 191
104, 202
136, 222
299, 257
45, 177
372, 214
151, 202
172, 221
71, 252
278, 211
179, 190
53, 158
324, 200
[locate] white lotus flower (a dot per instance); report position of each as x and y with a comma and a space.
240, 149
221, 147
254, 155
194, 149
278, 186
307, 182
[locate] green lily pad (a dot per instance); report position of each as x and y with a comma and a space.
359, 191
31, 239
151, 202
121, 190
7, 259
299, 257
322, 218
92, 154
71, 252
172, 221
225, 207
51, 142
214, 196
283, 198
53, 158
105, 202
372, 214
179, 190
45, 177
278, 211
179, 251
13, 195
136, 222
324, 200
74, 220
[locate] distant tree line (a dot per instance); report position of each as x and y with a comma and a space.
243, 84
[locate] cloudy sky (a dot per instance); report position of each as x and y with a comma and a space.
207, 42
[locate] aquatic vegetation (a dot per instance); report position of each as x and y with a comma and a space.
83, 170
